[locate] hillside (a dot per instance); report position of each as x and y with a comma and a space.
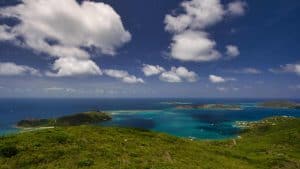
272, 143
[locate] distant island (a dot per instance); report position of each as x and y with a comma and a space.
280, 104
211, 107
69, 120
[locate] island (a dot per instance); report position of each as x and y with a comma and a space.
210, 107
69, 120
185, 107
220, 106
280, 104
270, 143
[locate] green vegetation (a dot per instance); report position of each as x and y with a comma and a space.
271, 143
280, 104
219, 106
70, 120
210, 106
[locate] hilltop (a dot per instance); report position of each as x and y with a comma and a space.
271, 143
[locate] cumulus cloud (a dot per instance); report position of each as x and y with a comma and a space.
71, 66
216, 79
232, 51
178, 74
236, 8
64, 30
288, 68
12, 69
170, 77
190, 41
194, 46
124, 76
175, 75
198, 15
150, 70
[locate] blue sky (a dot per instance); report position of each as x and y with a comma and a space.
117, 48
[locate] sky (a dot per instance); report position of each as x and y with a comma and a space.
170, 48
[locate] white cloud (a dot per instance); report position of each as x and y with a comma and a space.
251, 71
70, 27
236, 8
4, 34
198, 14
132, 79
72, 66
178, 74
12, 69
60, 89
124, 76
170, 77
232, 51
194, 46
226, 89
175, 75
216, 79
247, 70
190, 41
178, 23
150, 70
288, 68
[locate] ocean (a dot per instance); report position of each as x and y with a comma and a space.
150, 114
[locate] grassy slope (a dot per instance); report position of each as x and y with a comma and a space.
264, 146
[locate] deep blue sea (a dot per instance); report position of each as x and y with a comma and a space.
151, 114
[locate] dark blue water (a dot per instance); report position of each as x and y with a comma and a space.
151, 114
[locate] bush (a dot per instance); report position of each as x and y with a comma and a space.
85, 163
8, 151
59, 137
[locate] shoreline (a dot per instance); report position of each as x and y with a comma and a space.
242, 125
30, 129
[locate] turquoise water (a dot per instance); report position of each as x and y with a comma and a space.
201, 124
151, 114
175, 122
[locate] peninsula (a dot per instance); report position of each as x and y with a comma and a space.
69, 120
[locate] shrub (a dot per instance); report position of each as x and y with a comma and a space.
8, 151
85, 163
